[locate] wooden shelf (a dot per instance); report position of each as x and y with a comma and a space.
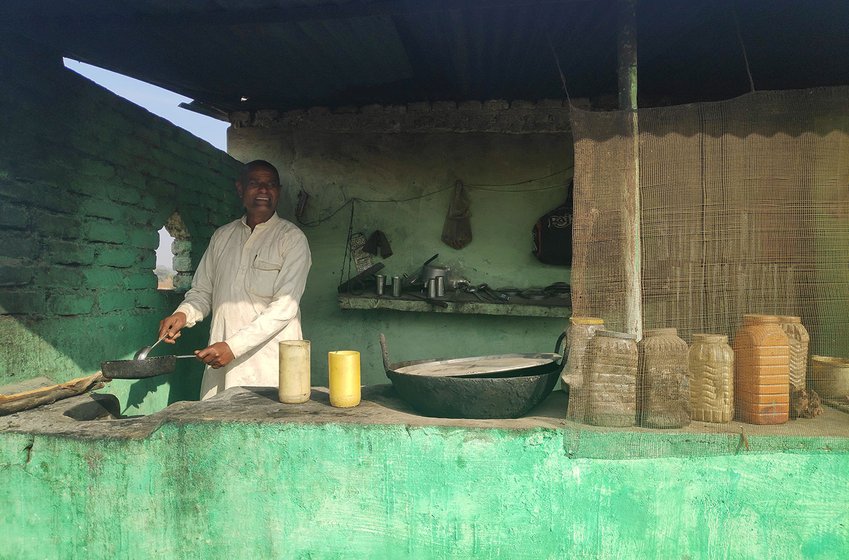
460, 303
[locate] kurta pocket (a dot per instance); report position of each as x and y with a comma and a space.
263, 274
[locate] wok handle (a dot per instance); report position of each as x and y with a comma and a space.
385, 351
557, 347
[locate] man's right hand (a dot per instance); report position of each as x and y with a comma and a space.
169, 327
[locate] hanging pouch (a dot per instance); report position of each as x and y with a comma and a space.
552, 235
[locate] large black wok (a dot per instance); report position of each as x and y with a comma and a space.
503, 386
137, 369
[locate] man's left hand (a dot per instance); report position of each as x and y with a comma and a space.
216, 355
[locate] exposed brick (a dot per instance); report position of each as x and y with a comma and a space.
420, 107
24, 302
60, 226
140, 280
147, 260
103, 277
114, 300
145, 239
121, 193
58, 276
76, 303
67, 252
182, 282
101, 207
13, 216
444, 105
469, 106
521, 104
18, 275
95, 168
44, 195
496, 105
150, 299
110, 232
116, 256
182, 263
17, 245
181, 246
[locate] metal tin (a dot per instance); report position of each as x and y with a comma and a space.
396, 286
440, 286
379, 283
431, 288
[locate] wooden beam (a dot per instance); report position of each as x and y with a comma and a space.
627, 54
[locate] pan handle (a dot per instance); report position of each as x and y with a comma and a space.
557, 347
385, 351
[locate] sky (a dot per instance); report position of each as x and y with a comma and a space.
166, 104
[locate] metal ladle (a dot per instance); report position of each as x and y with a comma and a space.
144, 351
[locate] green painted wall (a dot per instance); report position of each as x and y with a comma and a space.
379, 164
86, 181
247, 490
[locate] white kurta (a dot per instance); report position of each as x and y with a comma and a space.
252, 284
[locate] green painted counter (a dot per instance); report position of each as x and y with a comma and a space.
243, 476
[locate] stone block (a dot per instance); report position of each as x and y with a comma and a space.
147, 260
68, 252
181, 246
551, 103
71, 303
18, 246
470, 106
14, 216
182, 282
95, 168
521, 104
104, 277
116, 256
107, 231
16, 275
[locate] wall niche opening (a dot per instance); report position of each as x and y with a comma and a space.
173, 256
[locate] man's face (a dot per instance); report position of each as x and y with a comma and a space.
259, 192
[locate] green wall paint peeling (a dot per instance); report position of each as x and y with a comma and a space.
227, 490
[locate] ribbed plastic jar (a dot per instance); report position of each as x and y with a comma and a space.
799, 341
711, 365
578, 335
663, 386
761, 371
611, 379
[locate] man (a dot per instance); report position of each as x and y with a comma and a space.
251, 279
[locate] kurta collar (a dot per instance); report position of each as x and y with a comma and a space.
269, 222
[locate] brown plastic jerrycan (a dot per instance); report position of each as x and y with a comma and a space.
761, 371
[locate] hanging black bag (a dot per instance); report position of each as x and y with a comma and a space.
552, 234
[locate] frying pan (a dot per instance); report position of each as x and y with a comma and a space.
137, 369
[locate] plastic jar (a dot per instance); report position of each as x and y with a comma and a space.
799, 340
711, 369
663, 388
611, 379
761, 371
578, 335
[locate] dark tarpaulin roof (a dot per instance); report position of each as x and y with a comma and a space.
283, 54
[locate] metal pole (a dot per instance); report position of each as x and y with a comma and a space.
627, 55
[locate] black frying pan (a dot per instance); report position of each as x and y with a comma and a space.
137, 369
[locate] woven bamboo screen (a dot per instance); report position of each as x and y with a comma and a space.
744, 209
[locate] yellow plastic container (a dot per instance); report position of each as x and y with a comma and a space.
711, 365
344, 378
294, 384
761, 371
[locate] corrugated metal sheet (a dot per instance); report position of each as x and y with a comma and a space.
284, 54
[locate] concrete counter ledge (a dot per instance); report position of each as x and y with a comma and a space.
243, 476
382, 407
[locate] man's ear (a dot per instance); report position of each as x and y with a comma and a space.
239, 189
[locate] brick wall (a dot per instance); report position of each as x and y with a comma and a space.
86, 181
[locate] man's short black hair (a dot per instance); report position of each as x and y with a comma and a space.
256, 164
